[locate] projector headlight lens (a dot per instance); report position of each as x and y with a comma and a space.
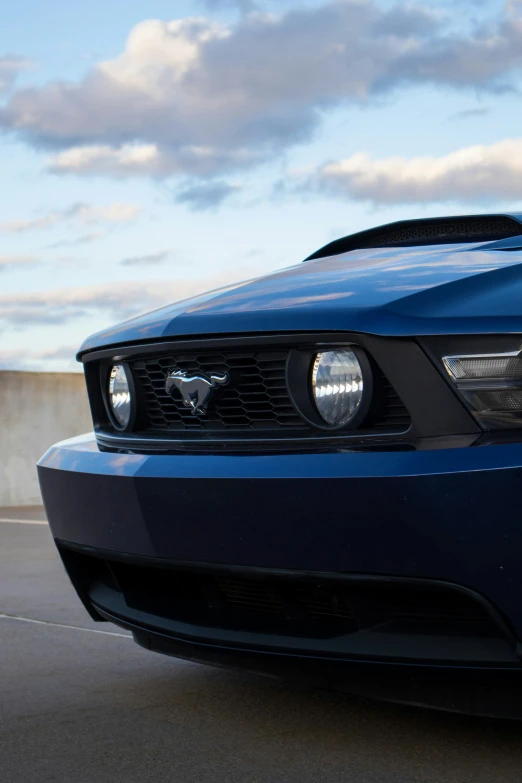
337, 385
120, 398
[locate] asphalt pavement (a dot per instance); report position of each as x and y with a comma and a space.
80, 702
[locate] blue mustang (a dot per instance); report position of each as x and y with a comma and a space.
315, 474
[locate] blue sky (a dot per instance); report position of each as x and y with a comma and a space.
152, 150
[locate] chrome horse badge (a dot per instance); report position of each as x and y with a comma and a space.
196, 390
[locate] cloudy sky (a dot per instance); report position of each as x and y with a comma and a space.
150, 150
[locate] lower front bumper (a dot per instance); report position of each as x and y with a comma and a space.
453, 654
443, 519
450, 515
480, 691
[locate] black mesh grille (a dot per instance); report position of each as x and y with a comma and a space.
301, 606
256, 397
273, 598
255, 400
456, 230
335, 600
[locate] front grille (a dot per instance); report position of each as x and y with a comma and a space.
325, 614
273, 598
256, 596
256, 397
255, 400
301, 605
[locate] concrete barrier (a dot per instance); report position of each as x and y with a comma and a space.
36, 410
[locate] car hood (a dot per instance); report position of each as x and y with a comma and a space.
439, 289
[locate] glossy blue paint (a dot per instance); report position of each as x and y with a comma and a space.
437, 289
83, 455
447, 514
439, 513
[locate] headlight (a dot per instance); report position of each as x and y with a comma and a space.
120, 399
337, 385
490, 385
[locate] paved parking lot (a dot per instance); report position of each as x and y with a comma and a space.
81, 705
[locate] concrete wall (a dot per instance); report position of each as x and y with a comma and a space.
36, 410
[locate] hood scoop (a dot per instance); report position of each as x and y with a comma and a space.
431, 231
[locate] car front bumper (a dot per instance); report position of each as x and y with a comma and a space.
444, 519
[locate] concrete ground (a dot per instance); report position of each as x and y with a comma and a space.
79, 701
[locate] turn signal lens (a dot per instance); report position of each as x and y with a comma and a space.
508, 365
490, 385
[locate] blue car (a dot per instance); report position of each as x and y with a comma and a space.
317, 474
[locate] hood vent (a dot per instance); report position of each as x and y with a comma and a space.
433, 231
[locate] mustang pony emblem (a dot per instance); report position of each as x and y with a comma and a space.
196, 390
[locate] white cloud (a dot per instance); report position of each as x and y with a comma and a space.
118, 212
104, 303
195, 97
158, 50
15, 262
471, 174
11, 66
87, 214
21, 226
126, 160
84, 239
152, 259
59, 306
148, 160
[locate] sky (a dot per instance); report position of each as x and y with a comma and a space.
153, 150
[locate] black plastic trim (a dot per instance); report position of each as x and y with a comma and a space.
487, 690
337, 439
120, 352
105, 370
434, 408
352, 578
447, 233
438, 347
298, 380
280, 574
366, 644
